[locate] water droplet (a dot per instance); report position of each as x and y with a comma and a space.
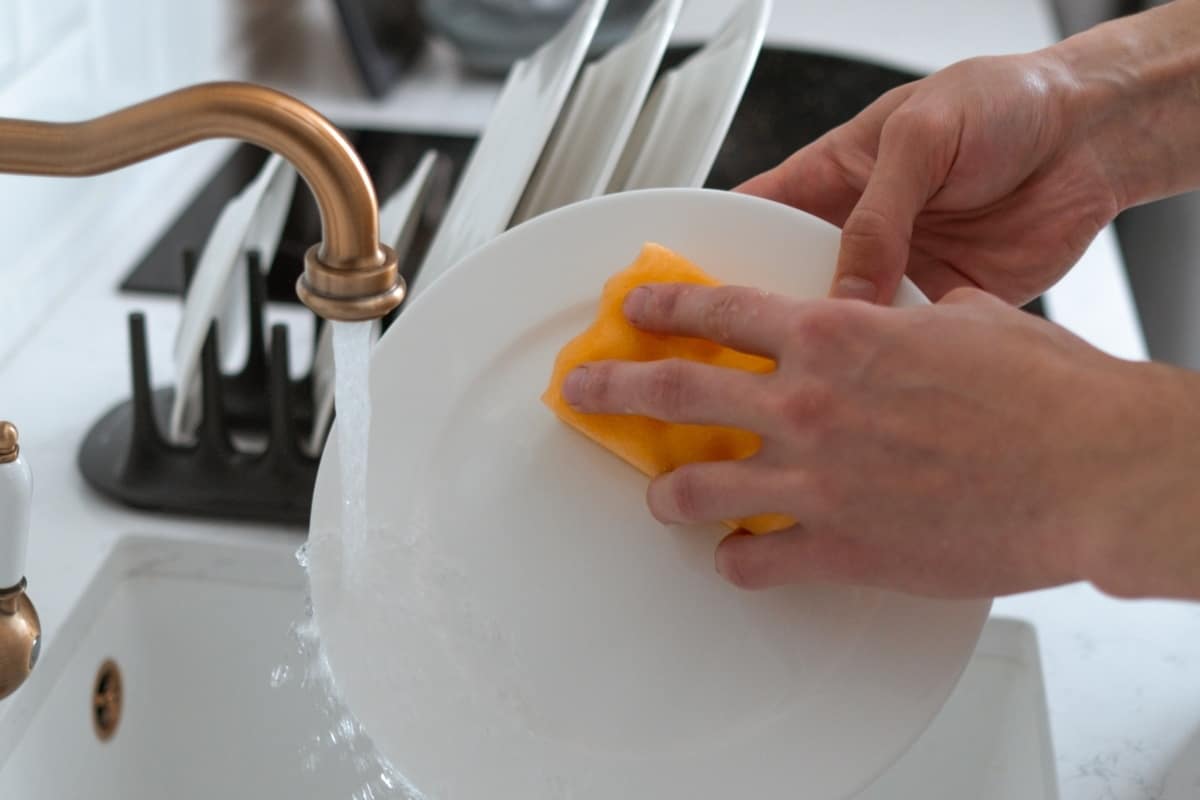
279, 676
349, 726
302, 556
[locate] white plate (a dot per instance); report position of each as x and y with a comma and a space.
582, 154
495, 176
680, 131
517, 625
253, 219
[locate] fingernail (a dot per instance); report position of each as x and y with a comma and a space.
852, 287
635, 303
573, 385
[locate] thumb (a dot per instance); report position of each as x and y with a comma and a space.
878, 231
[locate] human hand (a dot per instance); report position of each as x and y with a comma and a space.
985, 174
963, 448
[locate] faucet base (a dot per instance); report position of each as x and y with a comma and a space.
20, 638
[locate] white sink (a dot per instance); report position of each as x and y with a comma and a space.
198, 630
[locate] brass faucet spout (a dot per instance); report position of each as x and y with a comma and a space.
349, 276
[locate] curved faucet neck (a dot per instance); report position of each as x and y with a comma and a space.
349, 276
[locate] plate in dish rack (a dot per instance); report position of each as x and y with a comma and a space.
517, 625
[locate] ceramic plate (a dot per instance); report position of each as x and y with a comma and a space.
516, 625
499, 168
252, 221
681, 128
582, 154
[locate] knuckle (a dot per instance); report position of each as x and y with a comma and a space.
920, 124
684, 495
664, 300
743, 570
866, 222
666, 387
721, 314
597, 383
819, 323
806, 408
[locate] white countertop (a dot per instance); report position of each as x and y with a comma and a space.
1122, 677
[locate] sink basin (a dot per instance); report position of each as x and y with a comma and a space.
198, 633
201, 635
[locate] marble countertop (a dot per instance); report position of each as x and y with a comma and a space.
1123, 678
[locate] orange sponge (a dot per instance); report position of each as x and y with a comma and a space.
653, 446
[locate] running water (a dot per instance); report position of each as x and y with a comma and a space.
352, 400
344, 735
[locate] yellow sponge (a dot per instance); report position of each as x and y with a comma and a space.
653, 446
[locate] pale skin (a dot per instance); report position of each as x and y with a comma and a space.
963, 448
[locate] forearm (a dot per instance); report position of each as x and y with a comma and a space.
1137, 99
1141, 534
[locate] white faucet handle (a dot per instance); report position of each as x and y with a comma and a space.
16, 491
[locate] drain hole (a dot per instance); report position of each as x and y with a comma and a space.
107, 700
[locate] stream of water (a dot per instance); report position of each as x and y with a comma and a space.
352, 399
343, 737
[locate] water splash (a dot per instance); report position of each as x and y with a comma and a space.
339, 738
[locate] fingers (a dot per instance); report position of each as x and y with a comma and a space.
790, 556
673, 390
825, 178
912, 161
749, 320
810, 180
719, 490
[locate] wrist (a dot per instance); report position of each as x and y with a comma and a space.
1135, 101
1140, 532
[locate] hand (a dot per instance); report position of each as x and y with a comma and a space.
963, 448
986, 174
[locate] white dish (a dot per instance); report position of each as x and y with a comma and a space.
517, 625
991, 740
495, 175
681, 128
582, 154
253, 219
399, 216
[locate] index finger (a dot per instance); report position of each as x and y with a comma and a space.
749, 320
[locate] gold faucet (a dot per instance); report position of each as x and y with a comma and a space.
350, 275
